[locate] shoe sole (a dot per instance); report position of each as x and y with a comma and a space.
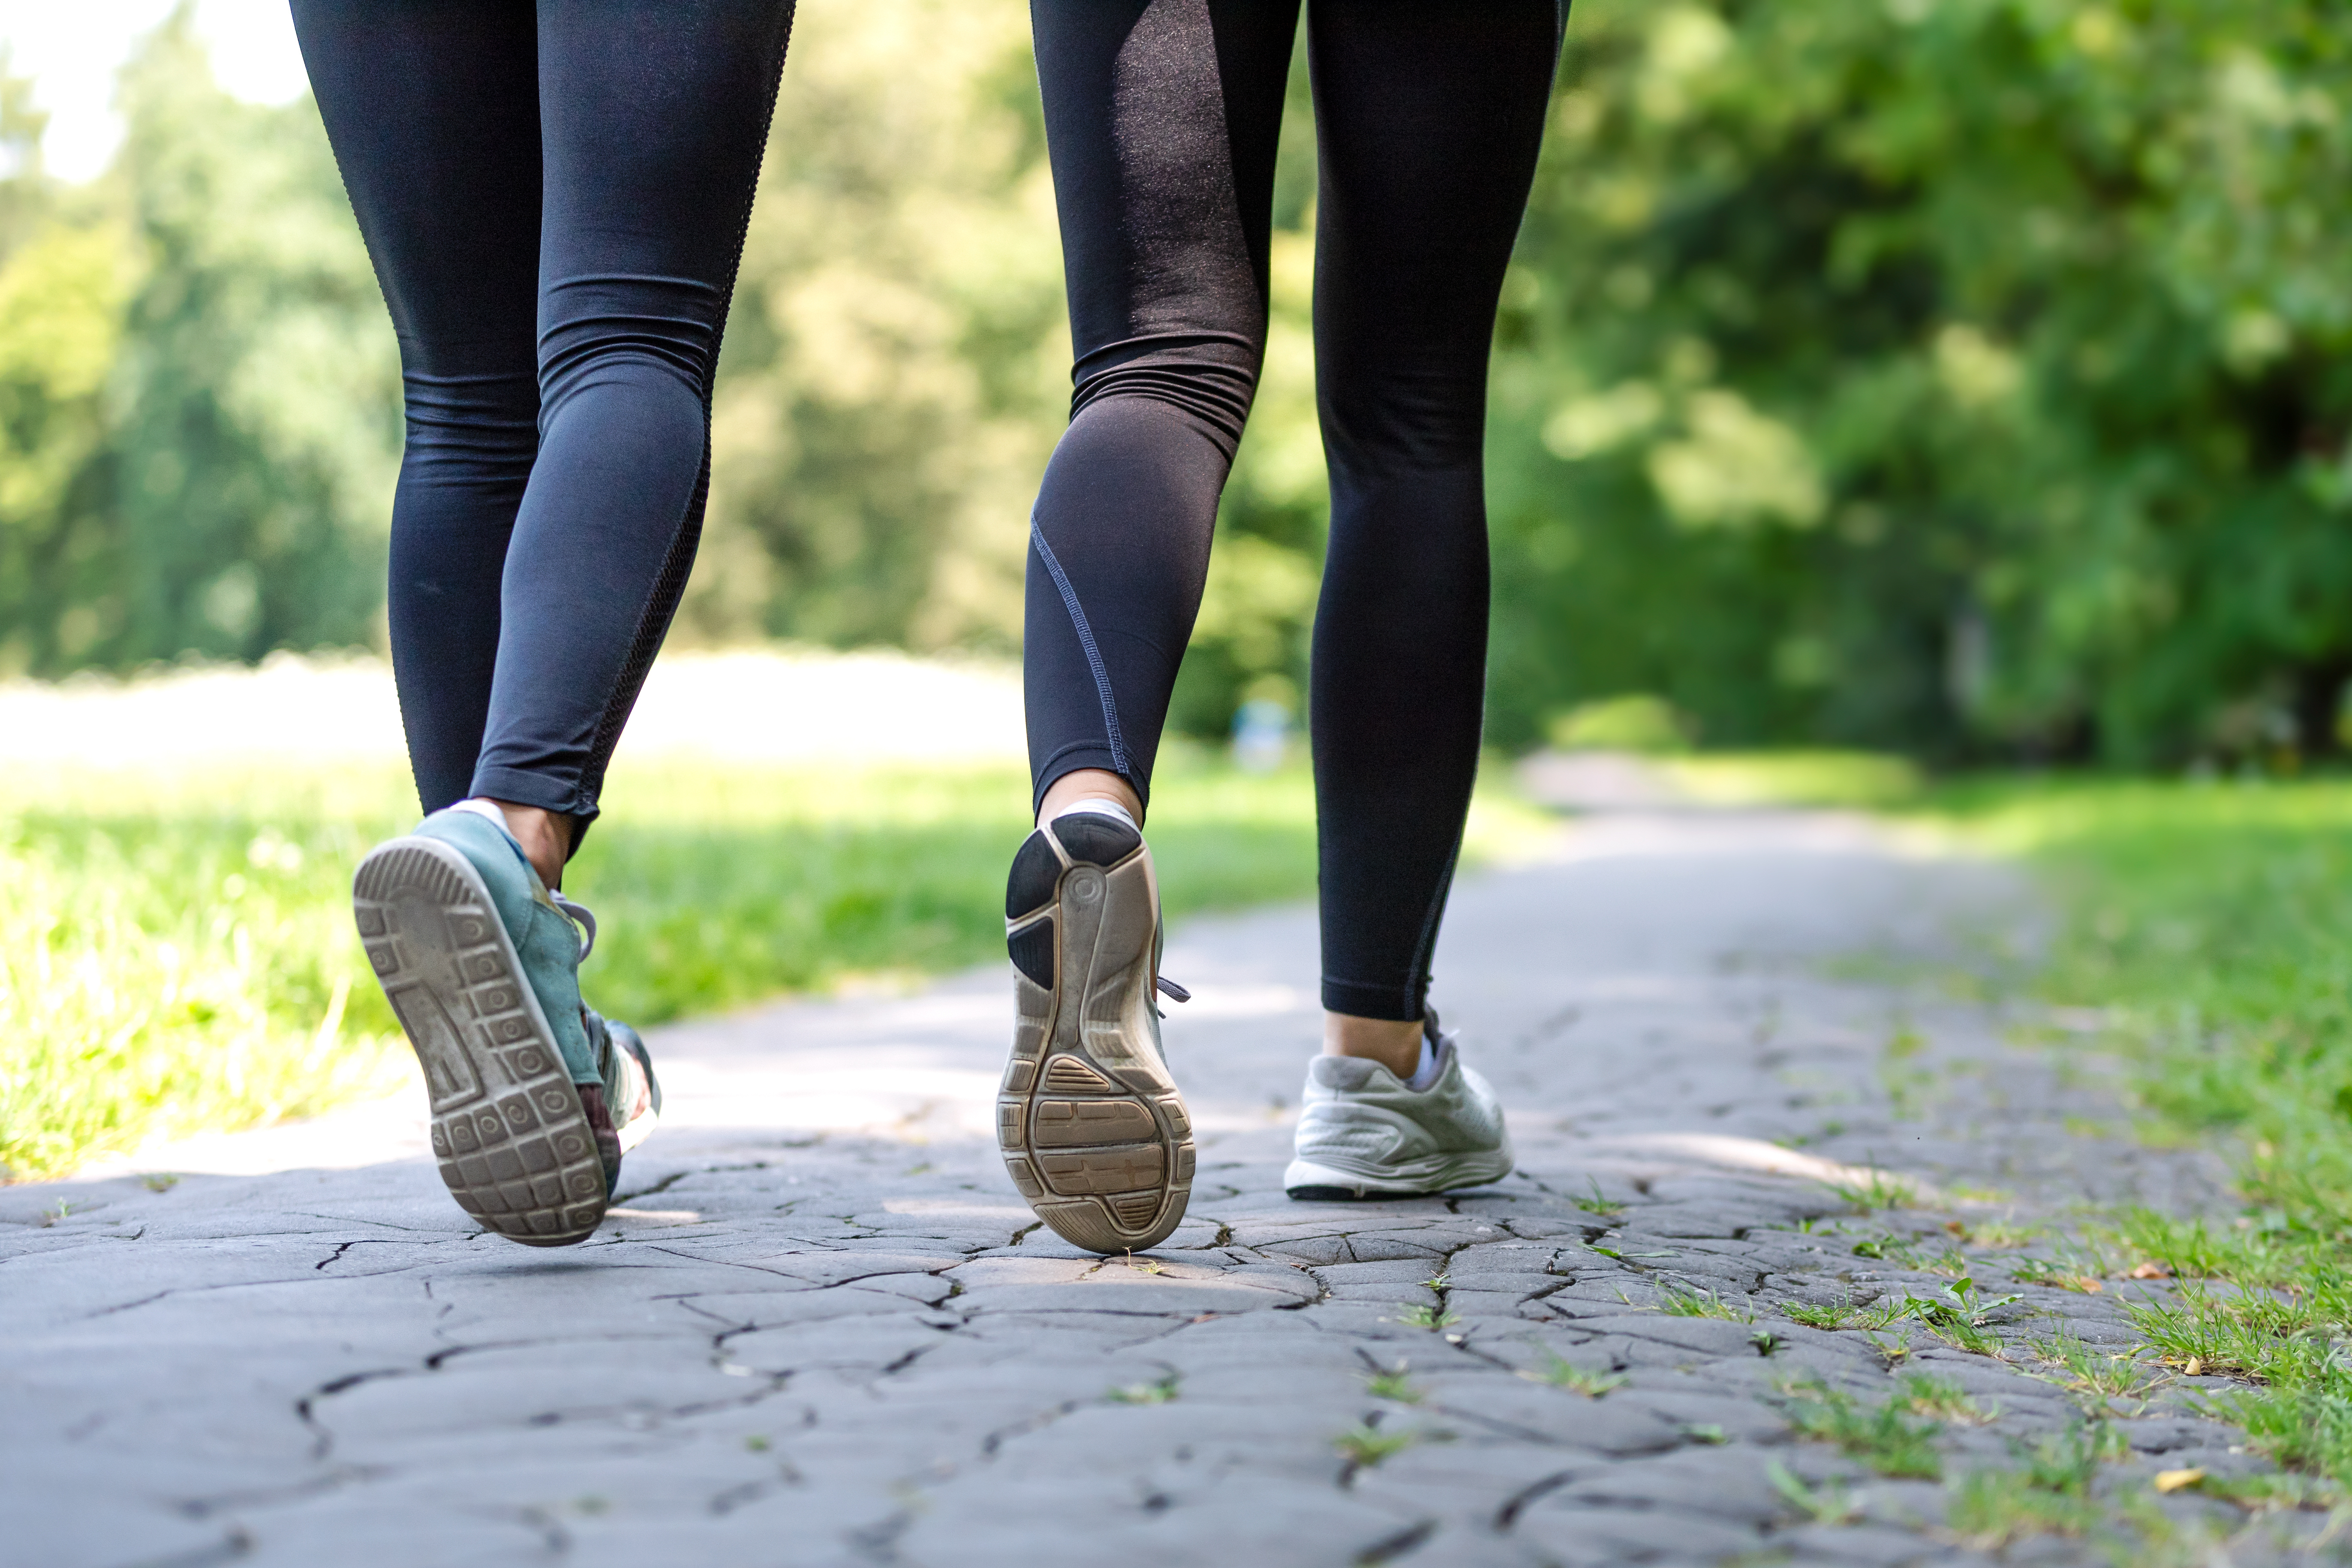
509, 1131
1093, 1131
1308, 1182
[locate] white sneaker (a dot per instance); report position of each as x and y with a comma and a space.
1364, 1133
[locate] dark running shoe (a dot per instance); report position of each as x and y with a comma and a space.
1093, 1131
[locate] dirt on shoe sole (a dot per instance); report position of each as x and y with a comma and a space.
1093, 1131
511, 1133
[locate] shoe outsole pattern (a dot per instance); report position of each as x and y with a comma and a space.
1093, 1131
510, 1132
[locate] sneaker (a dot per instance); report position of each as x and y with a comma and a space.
533, 1097
1365, 1133
1093, 1131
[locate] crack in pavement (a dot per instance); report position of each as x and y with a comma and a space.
941, 1367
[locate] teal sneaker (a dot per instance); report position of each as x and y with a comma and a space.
533, 1097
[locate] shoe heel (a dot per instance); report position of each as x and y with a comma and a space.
509, 1132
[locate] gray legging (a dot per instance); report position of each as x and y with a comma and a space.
554, 194
1161, 117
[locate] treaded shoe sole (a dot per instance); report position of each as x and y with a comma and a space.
510, 1132
1093, 1131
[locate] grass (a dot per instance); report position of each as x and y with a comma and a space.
2208, 937
1561, 1373
176, 953
1678, 1301
1157, 1392
1364, 1445
1885, 1437
2048, 1493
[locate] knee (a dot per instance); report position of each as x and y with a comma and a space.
1210, 378
470, 424
1403, 421
630, 330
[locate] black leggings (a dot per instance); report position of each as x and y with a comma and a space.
1162, 116
554, 194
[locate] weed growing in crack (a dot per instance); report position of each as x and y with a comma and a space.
1825, 1504
1843, 1314
2003, 1235
1437, 1282
159, 1181
1878, 1190
1883, 1437
1689, 1302
1600, 1206
2055, 1276
2087, 1370
1431, 1317
1890, 1351
1765, 1341
1560, 1372
1155, 1393
2048, 1494
1957, 1313
1364, 1445
1940, 1399
1393, 1384
1707, 1432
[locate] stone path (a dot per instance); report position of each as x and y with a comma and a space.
822, 1328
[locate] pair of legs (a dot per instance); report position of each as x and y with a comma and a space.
1161, 117
554, 194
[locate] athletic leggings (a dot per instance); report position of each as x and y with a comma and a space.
554, 194
1161, 118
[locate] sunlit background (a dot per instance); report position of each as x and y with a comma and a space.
1954, 381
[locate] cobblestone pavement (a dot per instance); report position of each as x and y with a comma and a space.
822, 1328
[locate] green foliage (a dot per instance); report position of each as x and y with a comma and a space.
199, 398
1946, 374
897, 363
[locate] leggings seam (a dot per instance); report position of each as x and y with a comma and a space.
653, 622
1085, 641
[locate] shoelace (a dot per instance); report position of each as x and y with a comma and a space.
578, 915
1169, 989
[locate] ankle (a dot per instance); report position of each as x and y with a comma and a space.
545, 836
1394, 1043
1091, 784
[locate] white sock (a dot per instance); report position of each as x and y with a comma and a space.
1101, 806
1424, 1076
485, 809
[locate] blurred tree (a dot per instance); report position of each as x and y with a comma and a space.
1957, 373
896, 364
256, 428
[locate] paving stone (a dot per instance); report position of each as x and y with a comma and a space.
829, 1343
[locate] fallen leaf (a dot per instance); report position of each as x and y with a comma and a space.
2150, 1271
2177, 1480
2195, 1367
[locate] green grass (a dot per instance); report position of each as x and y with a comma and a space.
1885, 1436
176, 952
2209, 936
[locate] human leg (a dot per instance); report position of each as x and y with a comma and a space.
1431, 115
433, 109
654, 119
1161, 117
